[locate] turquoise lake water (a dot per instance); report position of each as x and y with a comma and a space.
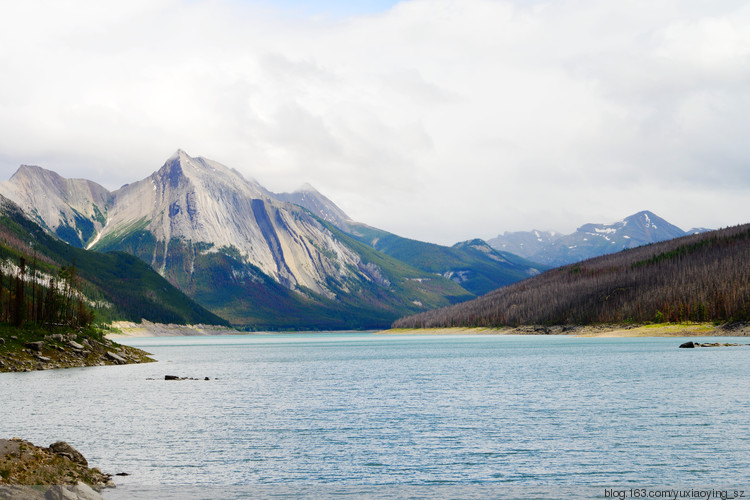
417, 416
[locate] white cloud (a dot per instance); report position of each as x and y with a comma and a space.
437, 119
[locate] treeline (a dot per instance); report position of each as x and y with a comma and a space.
704, 277
29, 296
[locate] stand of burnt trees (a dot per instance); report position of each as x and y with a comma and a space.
703, 277
56, 302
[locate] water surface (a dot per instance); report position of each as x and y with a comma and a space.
352, 410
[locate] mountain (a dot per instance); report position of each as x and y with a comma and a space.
589, 240
116, 285
73, 209
701, 277
524, 243
248, 255
310, 198
474, 265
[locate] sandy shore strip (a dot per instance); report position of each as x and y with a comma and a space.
148, 329
659, 330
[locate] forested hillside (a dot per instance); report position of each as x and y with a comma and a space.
703, 277
44, 280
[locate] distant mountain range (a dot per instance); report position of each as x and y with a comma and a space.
590, 240
258, 259
701, 277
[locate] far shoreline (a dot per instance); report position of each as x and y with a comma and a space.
602, 331
148, 329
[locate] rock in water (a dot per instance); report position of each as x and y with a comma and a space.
65, 450
687, 345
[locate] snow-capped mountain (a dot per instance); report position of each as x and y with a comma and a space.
589, 240
523, 243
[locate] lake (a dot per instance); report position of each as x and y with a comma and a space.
388, 416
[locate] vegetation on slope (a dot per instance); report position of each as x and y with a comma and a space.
704, 277
221, 281
116, 285
476, 271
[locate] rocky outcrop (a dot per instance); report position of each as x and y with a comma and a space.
691, 345
58, 472
65, 351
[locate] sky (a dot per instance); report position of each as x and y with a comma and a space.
438, 120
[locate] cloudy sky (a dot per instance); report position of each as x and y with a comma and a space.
440, 120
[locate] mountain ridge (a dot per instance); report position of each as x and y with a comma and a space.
253, 258
589, 240
702, 277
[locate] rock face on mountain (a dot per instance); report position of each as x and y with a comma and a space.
201, 201
474, 265
73, 209
244, 253
589, 240
309, 198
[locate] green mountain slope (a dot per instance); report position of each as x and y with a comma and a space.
121, 286
703, 277
224, 283
474, 265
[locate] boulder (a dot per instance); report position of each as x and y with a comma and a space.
65, 450
75, 345
36, 346
687, 345
116, 358
80, 491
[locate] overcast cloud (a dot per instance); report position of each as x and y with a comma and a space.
439, 120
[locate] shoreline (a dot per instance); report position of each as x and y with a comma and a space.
658, 330
129, 329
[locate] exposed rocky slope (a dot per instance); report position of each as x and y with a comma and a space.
73, 209
116, 285
473, 264
254, 258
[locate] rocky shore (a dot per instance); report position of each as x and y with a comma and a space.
29, 472
23, 353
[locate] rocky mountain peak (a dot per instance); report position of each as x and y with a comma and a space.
310, 198
589, 240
